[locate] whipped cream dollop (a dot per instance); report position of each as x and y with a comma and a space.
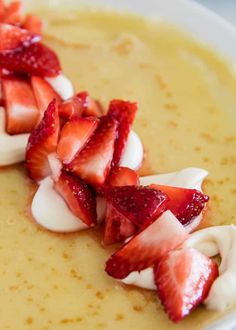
191, 178
12, 147
51, 211
212, 241
133, 154
62, 85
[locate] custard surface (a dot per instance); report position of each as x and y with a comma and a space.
187, 117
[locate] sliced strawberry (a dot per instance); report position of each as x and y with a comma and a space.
124, 112
37, 59
21, 110
186, 204
117, 227
33, 24
93, 163
13, 37
71, 107
148, 246
2, 10
80, 104
123, 176
44, 93
183, 279
13, 13
78, 196
74, 134
42, 142
141, 205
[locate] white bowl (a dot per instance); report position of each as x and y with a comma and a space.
197, 20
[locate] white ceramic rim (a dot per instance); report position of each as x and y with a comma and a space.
205, 26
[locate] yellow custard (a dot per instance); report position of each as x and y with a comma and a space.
187, 117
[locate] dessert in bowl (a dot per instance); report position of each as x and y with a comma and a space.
54, 278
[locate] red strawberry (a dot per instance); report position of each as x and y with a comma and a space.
124, 113
2, 10
80, 104
13, 13
117, 227
71, 107
33, 24
37, 59
148, 246
78, 196
140, 205
13, 37
44, 93
43, 141
93, 163
74, 134
123, 176
186, 204
21, 110
183, 279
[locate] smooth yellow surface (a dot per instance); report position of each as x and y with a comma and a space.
187, 117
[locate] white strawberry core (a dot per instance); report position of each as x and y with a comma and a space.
133, 154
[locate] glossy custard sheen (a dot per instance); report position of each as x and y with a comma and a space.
187, 117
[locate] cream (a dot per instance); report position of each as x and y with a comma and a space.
51, 211
62, 85
12, 147
133, 154
211, 242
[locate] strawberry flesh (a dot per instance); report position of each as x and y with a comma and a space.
78, 196
42, 142
21, 110
117, 227
124, 112
147, 247
123, 176
13, 13
183, 279
13, 37
43, 93
33, 24
140, 205
93, 162
37, 59
186, 204
74, 134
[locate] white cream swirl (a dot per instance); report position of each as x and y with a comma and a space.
211, 242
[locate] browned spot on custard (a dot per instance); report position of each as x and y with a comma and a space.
75, 275
77, 45
71, 320
29, 320
99, 295
119, 317
137, 308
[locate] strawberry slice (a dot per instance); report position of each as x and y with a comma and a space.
13, 37
13, 13
74, 134
43, 93
148, 246
80, 104
37, 59
72, 107
78, 196
42, 142
123, 176
21, 110
183, 279
140, 205
2, 10
117, 227
186, 204
93, 163
33, 24
124, 112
